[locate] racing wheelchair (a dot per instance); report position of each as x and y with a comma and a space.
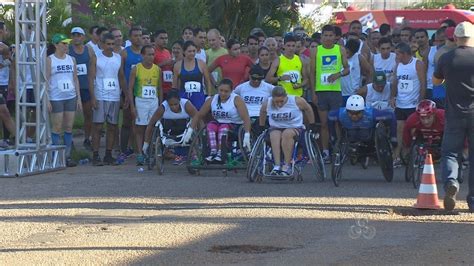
416, 160
161, 141
234, 156
357, 151
261, 162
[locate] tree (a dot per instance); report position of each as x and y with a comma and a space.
429, 4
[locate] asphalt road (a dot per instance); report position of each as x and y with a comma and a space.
117, 215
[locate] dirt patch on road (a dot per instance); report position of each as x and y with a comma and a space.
248, 249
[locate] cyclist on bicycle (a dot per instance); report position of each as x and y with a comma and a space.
427, 122
359, 121
228, 111
285, 115
175, 113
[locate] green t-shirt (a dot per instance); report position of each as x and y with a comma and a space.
328, 62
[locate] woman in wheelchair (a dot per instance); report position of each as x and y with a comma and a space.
228, 112
359, 121
285, 115
174, 113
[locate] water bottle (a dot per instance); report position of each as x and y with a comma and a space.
234, 149
84, 161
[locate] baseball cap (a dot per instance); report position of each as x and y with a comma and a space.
257, 72
380, 78
59, 37
450, 33
78, 30
464, 30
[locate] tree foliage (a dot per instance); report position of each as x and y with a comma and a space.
430, 4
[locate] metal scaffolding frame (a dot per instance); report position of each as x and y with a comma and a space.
31, 155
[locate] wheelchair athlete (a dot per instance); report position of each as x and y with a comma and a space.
285, 115
427, 122
229, 113
174, 113
359, 121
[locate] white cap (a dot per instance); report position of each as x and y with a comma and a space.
78, 30
355, 103
464, 30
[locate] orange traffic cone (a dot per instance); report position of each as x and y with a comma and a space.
428, 192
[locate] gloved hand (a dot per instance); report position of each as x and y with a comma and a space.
312, 127
246, 142
145, 147
187, 136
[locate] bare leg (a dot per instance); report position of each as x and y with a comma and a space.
140, 132
275, 140
287, 144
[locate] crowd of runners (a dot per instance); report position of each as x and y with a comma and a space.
330, 76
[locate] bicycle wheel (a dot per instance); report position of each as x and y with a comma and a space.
159, 158
336, 168
151, 149
384, 151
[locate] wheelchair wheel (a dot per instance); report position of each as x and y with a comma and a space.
315, 156
151, 150
196, 152
384, 151
245, 152
338, 158
418, 166
255, 158
159, 158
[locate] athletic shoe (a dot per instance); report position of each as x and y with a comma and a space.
326, 158
179, 160
397, 163
210, 158
450, 197
275, 171
285, 172
140, 160
128, 152
122, 157
70, 163
109, 160
87, 144
218, 158
96, 161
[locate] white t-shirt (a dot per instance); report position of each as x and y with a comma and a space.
169, 114
95, 48
351, 82
107, 87
431, 67
254, 97
385, 65
201, 55
61, 82
378, 100
287, 116
408, 85
225, 112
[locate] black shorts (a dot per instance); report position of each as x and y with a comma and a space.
404, 113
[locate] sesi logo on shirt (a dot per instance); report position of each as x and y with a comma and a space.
220, 115
253, 99
64, 68
282, 116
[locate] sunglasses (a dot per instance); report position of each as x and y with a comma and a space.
354, 113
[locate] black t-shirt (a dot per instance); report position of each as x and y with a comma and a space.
457, 68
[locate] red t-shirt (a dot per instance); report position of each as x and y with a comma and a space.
167, 70
435, 131
234, 68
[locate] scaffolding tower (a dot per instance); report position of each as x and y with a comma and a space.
33, 153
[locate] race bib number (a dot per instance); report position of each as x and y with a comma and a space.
167, 76
149, 92
65, 85
81, 69
110, 84
294, 76
325, 79
381, 105
192, 86
405, 85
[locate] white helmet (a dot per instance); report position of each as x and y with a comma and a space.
355, 103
